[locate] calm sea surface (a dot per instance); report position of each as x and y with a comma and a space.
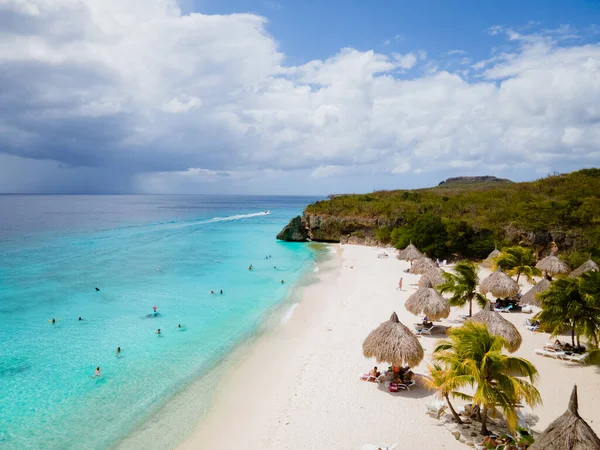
54, 252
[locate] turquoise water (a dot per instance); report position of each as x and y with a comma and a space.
55, 250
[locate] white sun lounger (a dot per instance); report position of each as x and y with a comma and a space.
376, 447
435, 409
551, 353
577, 358
422, 331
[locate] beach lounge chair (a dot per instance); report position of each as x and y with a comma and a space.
376, 447
505, 309
422, 331
551, 353
526, 309
577, 357
435, 409
368, 377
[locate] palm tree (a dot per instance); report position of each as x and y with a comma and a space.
575, 303
518, 261
474, 357
463, 286
443, 380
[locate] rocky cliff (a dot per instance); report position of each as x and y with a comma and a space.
331, 228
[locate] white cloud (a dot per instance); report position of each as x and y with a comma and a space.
171, 101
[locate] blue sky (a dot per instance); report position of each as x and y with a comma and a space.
312, 29
306, 97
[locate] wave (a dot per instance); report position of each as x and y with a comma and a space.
288, 314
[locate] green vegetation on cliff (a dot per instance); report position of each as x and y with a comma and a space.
468, 219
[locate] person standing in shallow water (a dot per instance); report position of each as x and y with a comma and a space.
118, 352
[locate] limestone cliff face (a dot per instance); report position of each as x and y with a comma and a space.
295, 231
344, 229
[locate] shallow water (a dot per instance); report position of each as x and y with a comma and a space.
54, 252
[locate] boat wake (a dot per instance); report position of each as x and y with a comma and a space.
238, 217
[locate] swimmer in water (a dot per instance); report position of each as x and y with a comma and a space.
250, 267
179, 326
118, 352
97, 374
221, 292
158, 268
282, 281
212, 292
158, 332
54, 321
155, 310
97, 290
80, 318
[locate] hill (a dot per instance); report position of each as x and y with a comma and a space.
466, 219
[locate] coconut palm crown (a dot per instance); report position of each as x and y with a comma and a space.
475, 358
463, 285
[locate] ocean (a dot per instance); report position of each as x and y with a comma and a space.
140, 252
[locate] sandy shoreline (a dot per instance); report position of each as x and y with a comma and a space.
297, 386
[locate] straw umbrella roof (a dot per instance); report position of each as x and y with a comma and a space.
435, 276
530, 297
410, 253
394, 343
568, 432
552, 265
429, 302
499, 284
489, 261
499, 326
588, 266
422, 265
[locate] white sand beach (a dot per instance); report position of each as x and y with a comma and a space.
298, 386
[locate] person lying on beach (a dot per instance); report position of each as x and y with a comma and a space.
97, 374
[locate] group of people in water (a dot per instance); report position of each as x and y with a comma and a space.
180, 327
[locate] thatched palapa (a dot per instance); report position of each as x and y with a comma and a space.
552, 265
422, 265
499, 326
410, 253
568, 432
491, 258
394, 343
429, 302
499, 284
588, 266
530, 297
435, 276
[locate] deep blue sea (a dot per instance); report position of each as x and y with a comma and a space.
54, 252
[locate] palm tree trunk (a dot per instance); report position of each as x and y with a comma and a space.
572, 334
470, 307
454, 413
578, 343
518, 275
484, 429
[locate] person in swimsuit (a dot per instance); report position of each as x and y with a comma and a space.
80, 318
158, 332
97, 374
118, 352
97, 289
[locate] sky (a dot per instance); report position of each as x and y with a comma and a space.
293, 97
